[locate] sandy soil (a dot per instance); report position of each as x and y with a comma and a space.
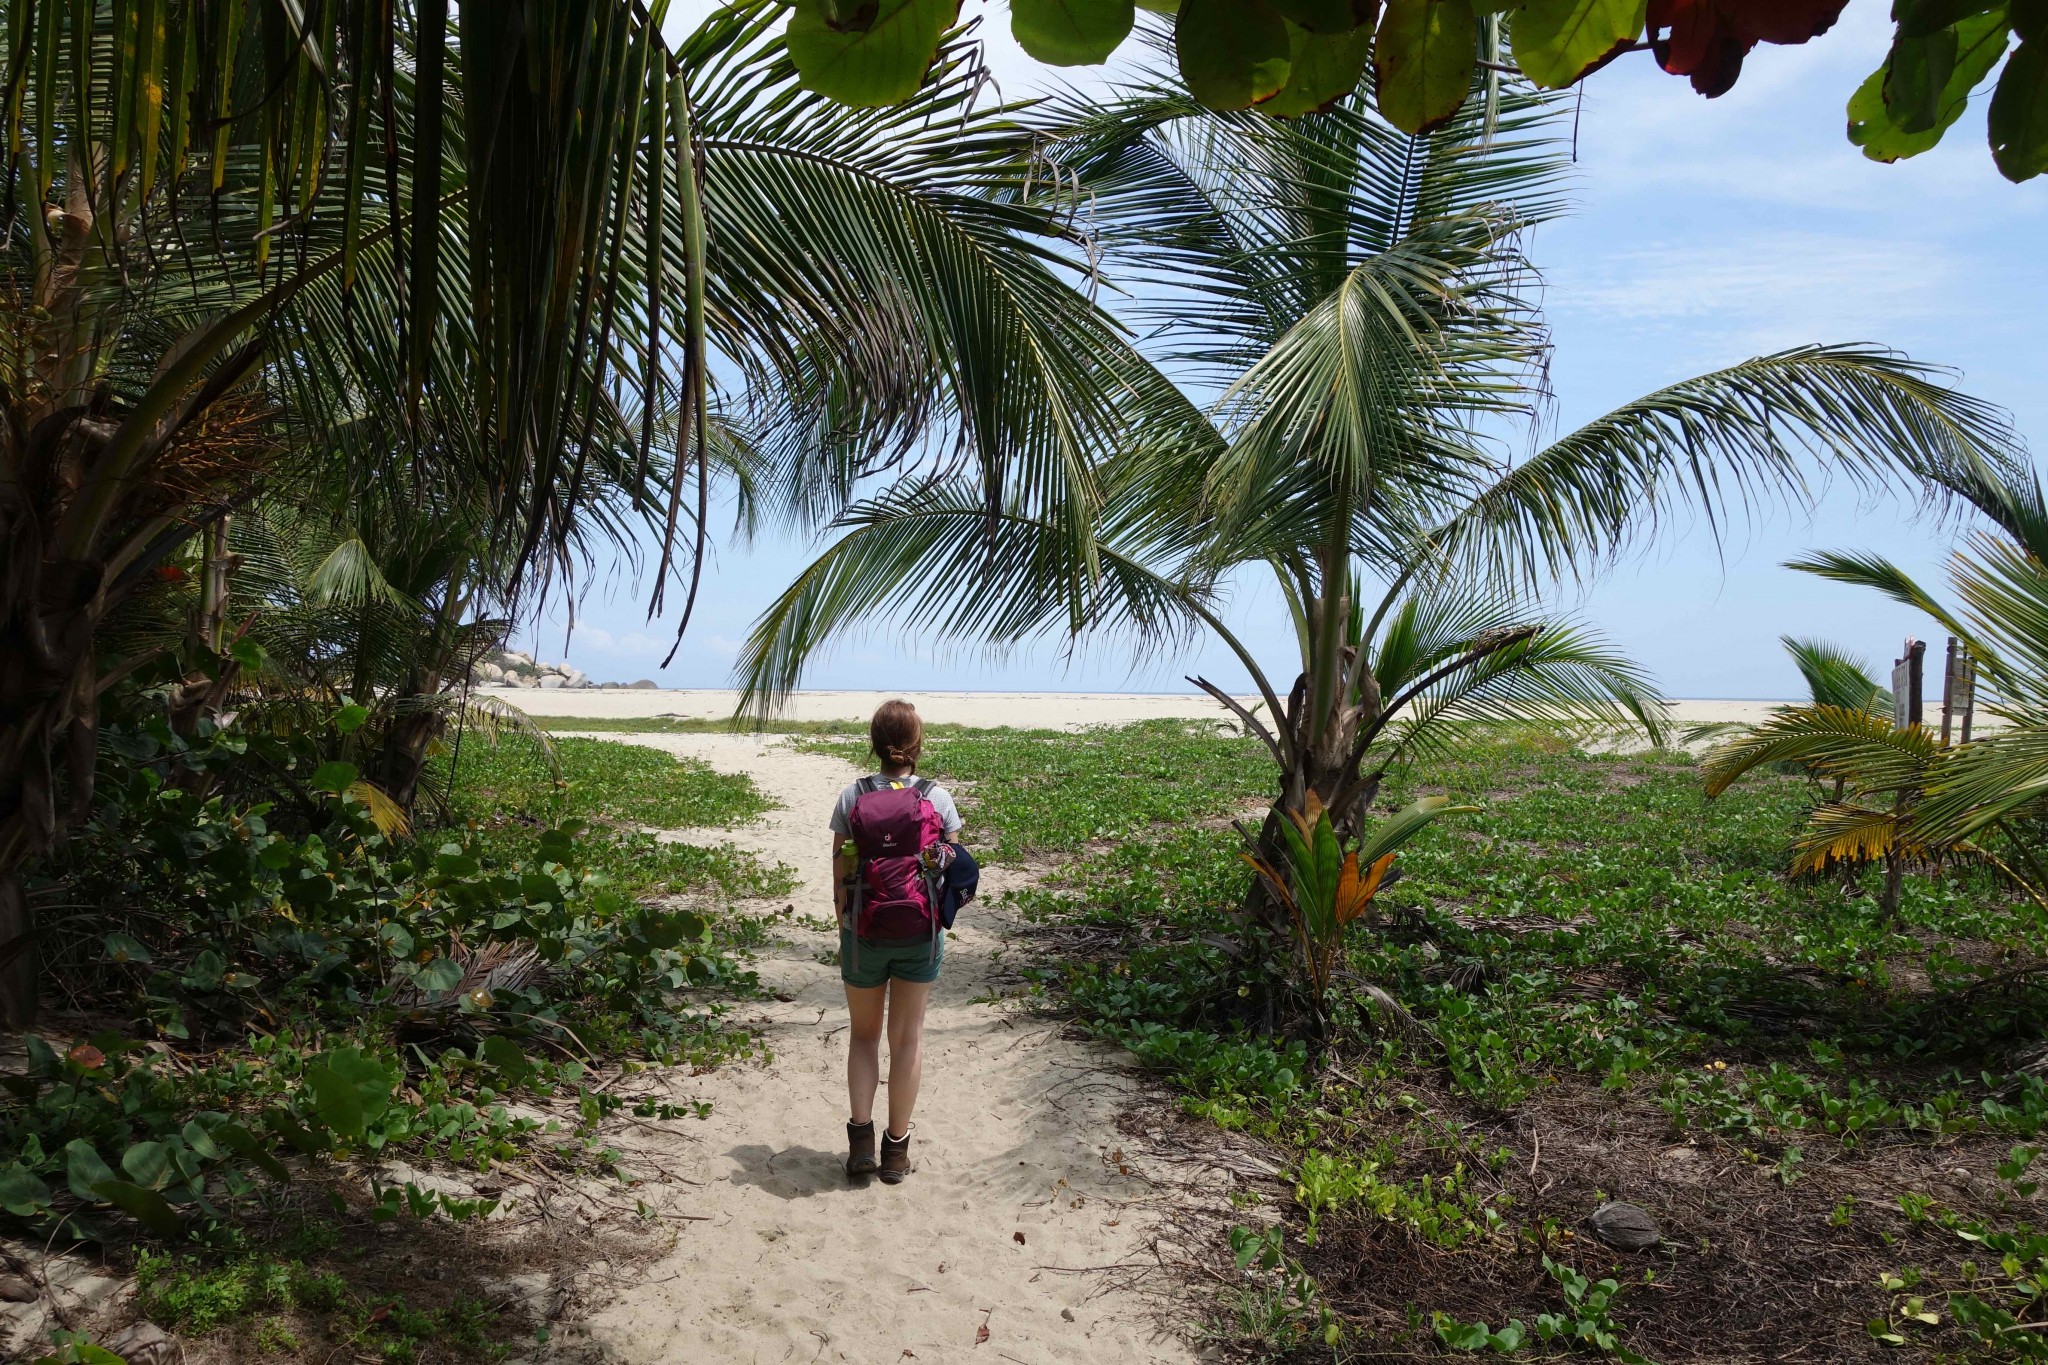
777, 1257
1030, 710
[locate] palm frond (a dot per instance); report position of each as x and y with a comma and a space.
1846, 832
1864, 749
1835, 677
1738, 440
930, 558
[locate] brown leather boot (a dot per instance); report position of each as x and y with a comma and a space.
895, 1157
860, 1148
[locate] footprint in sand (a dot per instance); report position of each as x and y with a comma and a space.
784, 1261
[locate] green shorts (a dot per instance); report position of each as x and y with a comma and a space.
880, 960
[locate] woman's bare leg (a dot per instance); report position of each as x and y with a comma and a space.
864, 1050
906, 1049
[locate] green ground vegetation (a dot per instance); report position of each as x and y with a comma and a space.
624, 785
264, 1001
1600, 985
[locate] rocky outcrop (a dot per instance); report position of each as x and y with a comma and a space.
516, 668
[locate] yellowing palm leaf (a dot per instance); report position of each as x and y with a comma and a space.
1355, 892
387, 815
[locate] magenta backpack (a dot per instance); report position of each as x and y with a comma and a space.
895, 888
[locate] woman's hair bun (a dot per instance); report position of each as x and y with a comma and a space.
896, 734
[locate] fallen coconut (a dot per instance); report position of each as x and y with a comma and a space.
1624, 1227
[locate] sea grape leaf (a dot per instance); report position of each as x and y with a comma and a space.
2019, 113
439, 975
1708, 39
333, 777
373, 1080
336, 1102
83, 1168
1322, 68
206, 971
42, 1058
1916, 74
22, 1191
199, 1140
245, 1145
1232, 53
397, 939
147, 1207
1785, 22
1423, 61
1918, 18
123, 948
288, 1128
1982, 41
504, 1054
250, 655
1557, 42
880, 62
1327, 16
147, 1164
667, 930
1071, 32
1922, 17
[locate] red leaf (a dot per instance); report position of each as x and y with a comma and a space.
981, 1334
170, 573
1785, 21
1707, 39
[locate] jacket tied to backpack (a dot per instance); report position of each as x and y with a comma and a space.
907, 879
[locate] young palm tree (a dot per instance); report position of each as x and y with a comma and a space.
1900, 795
1358, 302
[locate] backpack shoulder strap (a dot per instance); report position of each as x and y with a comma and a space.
923, 785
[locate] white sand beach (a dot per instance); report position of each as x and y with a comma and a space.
1023, 710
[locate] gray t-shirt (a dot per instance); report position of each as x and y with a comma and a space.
941, 799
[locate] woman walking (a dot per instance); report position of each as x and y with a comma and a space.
894, 837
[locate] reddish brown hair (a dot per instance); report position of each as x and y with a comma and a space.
896, 735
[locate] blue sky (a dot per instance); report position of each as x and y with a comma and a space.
1707, 231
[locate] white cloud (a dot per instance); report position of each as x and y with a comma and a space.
1748, 293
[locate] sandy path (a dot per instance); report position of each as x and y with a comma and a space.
784, 1260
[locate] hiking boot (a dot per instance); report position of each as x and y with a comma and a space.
860, 1148
895, 1157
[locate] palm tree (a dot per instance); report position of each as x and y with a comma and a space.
1842, 697
197, 185
1833, 677
1900, 795
1358, 303
593, 250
